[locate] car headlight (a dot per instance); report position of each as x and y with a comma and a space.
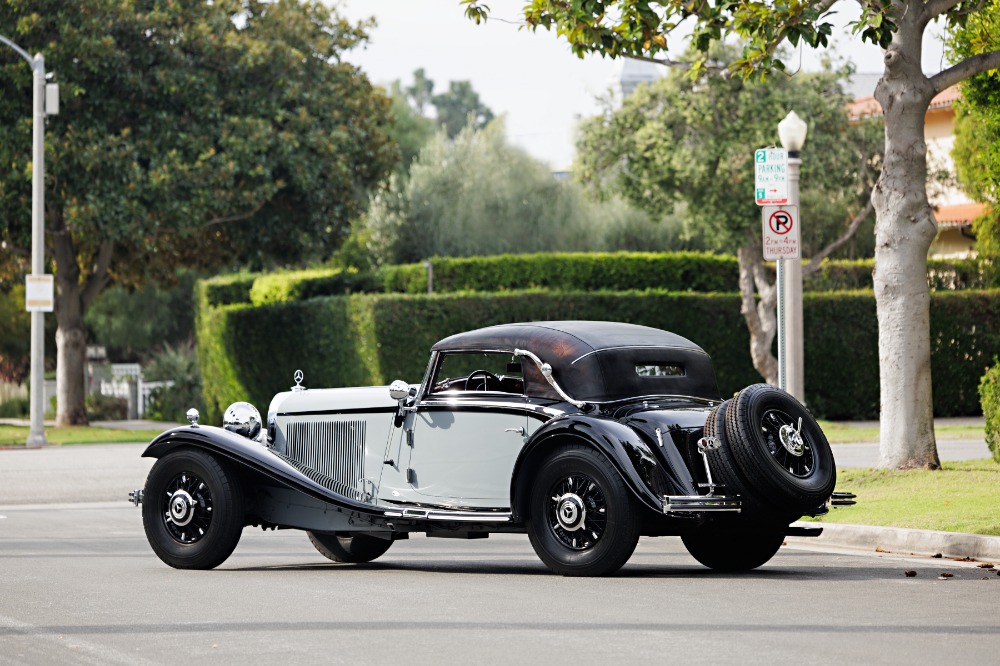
243, 419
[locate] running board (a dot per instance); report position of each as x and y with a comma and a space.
458, 516
699, 503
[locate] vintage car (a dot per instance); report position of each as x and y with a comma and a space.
585, 435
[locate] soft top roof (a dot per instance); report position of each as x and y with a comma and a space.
596, 361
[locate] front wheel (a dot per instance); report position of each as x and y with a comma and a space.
581, 518
192, 510
732, 550
343, 547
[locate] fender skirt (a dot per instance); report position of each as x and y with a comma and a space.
258, 458
623, 447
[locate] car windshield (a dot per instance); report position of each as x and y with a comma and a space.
478, 371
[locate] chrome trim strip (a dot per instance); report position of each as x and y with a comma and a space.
699, 503
455, 516
597, 351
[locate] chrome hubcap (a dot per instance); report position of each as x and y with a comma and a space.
182, 508
187, 508
791, 440
782, 435
571, 513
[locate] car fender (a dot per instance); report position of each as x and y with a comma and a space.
256, 457
621, 445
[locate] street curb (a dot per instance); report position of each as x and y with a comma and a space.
901, 540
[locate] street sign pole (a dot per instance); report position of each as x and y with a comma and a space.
36, 433
794, 347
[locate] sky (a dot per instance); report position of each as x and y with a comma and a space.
531, 78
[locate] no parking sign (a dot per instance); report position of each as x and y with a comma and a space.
781, 232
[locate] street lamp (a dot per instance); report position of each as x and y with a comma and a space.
40, 106
792, 132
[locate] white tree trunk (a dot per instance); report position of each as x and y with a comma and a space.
759, 315
904, 230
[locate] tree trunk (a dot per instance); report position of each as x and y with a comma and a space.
71, 336
759, 315
904, 230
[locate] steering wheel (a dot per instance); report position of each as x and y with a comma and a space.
487, 375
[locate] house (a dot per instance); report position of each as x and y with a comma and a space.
953, 209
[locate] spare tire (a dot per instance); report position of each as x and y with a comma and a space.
776, 451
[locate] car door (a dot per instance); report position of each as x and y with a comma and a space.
461, 442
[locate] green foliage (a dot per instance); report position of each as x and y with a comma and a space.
106, 408
15, 336
460, 107
18, 408
191, 132
977, 123
989, 395
478, 195
410, 130
179, 365
229, 289
371, 339
691, 140
132, 323
591, 271
302, 285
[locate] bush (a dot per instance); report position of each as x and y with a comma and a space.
170, 403
228, 289
104, 407
303, 285
16, 408
989, 395
373, 339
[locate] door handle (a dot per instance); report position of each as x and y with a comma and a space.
519, 431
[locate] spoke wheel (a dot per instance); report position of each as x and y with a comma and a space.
784, 440
344, 547
581, 517
193, 510
577, 511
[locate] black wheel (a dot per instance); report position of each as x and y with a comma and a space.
778, 450
487, 377
732, 550
344, 547
192, 510
581, 518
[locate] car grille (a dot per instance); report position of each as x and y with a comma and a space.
333, 449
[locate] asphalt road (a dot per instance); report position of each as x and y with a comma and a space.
81, 586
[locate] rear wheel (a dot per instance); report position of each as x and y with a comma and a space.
344, 547
732, 550
581, 519
192, 510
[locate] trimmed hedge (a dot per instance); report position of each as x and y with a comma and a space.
989, 394
228, 289
251, 352
303, 285
571, 271
673, 271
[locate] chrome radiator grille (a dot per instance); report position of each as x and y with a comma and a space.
334, 449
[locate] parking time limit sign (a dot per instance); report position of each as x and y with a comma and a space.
770, 176
781, 232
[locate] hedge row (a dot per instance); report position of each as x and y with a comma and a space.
622, 271
251, 352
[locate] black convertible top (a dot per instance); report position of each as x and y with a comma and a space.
599, 361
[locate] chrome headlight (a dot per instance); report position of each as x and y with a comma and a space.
243, 419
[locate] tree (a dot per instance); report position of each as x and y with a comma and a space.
191, 133
685, 139
460, 106
905, 225
977, 124
478, 195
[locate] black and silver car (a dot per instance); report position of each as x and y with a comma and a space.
584, 435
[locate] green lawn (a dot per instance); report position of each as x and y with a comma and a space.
16, 435
961, 497
842, 433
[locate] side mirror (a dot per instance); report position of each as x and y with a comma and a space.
399, 390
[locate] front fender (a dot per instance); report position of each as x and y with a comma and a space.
256, 457
622, 446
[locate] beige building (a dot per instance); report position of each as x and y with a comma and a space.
953, 209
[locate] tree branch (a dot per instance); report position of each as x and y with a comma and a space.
935, 8
239, 216
98, 279
818, 258
977, 64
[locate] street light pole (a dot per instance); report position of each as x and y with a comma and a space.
36, 433
792, 131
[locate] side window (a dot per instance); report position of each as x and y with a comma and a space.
478, 371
